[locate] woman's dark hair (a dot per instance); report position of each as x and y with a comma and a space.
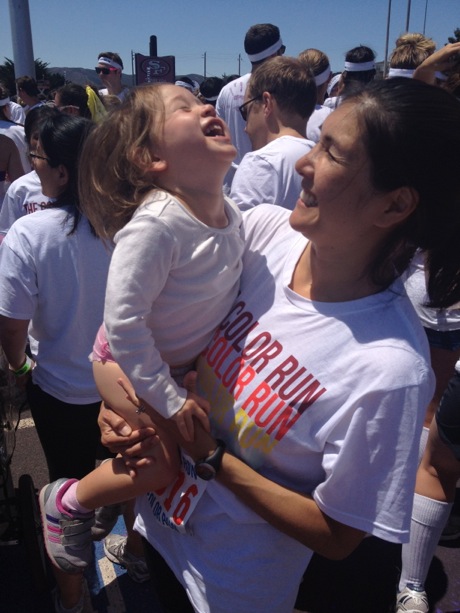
62, 137
34, 117
358, 55
73, 94
411, 133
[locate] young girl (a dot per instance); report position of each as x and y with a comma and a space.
175, 270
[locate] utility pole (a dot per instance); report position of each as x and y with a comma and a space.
408, 15
385, 59
21, 34
204, 68
424, 19
239, 64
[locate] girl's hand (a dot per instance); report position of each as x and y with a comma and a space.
194, 408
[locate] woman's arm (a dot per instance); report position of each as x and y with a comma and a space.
13, 338
292, 513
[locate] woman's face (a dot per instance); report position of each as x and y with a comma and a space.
53, 180
337, 199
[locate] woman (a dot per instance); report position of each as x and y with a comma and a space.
319, 376
53, 272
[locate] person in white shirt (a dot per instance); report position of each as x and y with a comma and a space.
11, 129
318, 62
29, 93
261, 42
279, 100
25, 196
110, 68
320, 374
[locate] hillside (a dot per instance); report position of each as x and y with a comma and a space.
85, 76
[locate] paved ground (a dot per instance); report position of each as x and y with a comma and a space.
364, 583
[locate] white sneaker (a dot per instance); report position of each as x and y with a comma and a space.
412, 601
115, 551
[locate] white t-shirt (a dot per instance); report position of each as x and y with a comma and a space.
443, 320
171, 278
324, 398
230, 98
269, 175
316, 121
58, 282
17, 135
121, 96
17, 113
24, 196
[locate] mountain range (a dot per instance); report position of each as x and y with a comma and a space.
88, 76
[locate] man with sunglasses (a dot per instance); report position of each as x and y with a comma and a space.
279, 99
262, 41
109, 68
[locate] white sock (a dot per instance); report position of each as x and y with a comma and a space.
428, 520
422, 445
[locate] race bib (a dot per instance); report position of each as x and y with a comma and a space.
172, 506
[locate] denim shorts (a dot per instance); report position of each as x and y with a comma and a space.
440, 339
448, 416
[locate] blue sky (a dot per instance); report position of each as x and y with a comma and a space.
71, 34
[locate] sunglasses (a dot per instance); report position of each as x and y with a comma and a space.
36, 156
243, 109
98, 69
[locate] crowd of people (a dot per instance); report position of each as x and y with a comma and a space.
252, 290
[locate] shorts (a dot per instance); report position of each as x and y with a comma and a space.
448, 416
443, 339
101, 353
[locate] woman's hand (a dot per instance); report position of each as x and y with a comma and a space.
117, 435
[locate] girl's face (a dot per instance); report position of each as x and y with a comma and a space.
338, 203
53, 180
194, 140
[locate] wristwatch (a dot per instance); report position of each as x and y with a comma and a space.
207, 468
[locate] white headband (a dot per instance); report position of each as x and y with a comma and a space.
109, 62
441, 76
333, 82
322, 77
401, 72
359, 67
210, 98
4, 102
184, 84
262, 55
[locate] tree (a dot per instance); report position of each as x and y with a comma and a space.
456, 37
43, 75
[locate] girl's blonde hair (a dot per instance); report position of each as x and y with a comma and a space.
411, 50
114, 165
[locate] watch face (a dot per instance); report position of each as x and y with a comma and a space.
205, 471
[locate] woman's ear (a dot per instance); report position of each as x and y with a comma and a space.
62, 175
401, 203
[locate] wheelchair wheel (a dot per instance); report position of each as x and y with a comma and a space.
32, 535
